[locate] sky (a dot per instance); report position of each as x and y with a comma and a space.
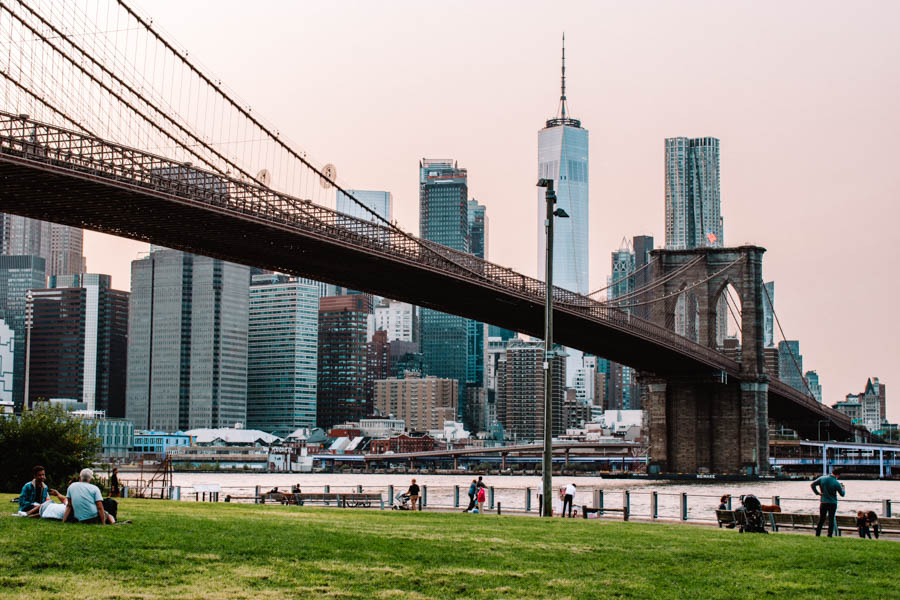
804, 97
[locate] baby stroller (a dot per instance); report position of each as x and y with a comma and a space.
753, 515
401, 502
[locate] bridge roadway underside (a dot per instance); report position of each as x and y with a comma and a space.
43, 192
53, 193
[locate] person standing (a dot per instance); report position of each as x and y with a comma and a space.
481, 498
34, 493
114, 483
827, 487
567, 499
862, 525
413, 492
473, 488
85, 501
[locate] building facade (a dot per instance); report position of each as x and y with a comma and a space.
790, 364
397, 318
187, 342
282, 350
693, 196
444, 218
342, 358
79, 342
812, 381
7, 360
60, 246
563, 159
520, 391
380, 203
18, 274
423, 403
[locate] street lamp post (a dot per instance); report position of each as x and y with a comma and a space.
549, 354
29, 308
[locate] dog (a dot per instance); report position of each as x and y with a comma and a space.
771, 508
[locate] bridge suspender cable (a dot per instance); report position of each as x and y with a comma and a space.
655, 284
683, 290
623, 278
790, 351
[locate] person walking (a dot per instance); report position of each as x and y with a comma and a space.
827, 487
567, 500
473, 489
114, 483
413, 492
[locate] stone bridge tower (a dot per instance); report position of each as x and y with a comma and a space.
714, 422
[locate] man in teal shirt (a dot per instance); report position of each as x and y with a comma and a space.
34, 493
827, 487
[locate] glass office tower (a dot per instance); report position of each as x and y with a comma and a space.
563, 158
281, 355
444, 218
379, 202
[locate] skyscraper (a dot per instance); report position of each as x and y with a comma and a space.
812, 380
444, 218
187, 342
343, 354
18, 274
60, 246
693, 198
769, 314
475, 355
79, 341
563, 158
282, 350
520, 391
790, 364
381, 203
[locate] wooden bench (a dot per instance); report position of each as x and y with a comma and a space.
350, 500
586, 510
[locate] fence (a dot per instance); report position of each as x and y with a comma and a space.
638, 504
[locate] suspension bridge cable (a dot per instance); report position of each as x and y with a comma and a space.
621, 279
790, 351
654, 284
683, 290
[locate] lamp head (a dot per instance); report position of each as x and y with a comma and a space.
561, 213
545, 183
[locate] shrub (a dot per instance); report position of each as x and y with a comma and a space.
45, 436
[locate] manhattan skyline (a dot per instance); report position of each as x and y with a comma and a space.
801, 96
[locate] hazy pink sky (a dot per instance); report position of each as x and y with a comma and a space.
805, 97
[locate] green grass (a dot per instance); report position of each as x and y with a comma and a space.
195, 550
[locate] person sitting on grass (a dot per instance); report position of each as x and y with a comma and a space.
50, 509
34, 493
86, 502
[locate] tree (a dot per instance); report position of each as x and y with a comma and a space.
45, 436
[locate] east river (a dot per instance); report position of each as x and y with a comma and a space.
510, 490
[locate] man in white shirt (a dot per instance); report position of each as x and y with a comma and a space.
567, 500
85, 501
54, 510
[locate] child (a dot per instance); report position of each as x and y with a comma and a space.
481, 497
872, 520
862, 525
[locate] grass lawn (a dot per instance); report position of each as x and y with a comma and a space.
196, 550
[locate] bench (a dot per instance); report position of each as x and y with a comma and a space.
351, 500
776, 521
586, 510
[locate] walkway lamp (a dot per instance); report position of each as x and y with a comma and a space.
549, 353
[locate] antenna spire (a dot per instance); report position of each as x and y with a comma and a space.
562, 115
562, 98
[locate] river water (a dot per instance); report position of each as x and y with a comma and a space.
511, 490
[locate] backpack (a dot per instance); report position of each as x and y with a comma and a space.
111, 506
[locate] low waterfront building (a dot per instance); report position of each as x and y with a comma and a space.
157, 443
402, 443
116, 435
